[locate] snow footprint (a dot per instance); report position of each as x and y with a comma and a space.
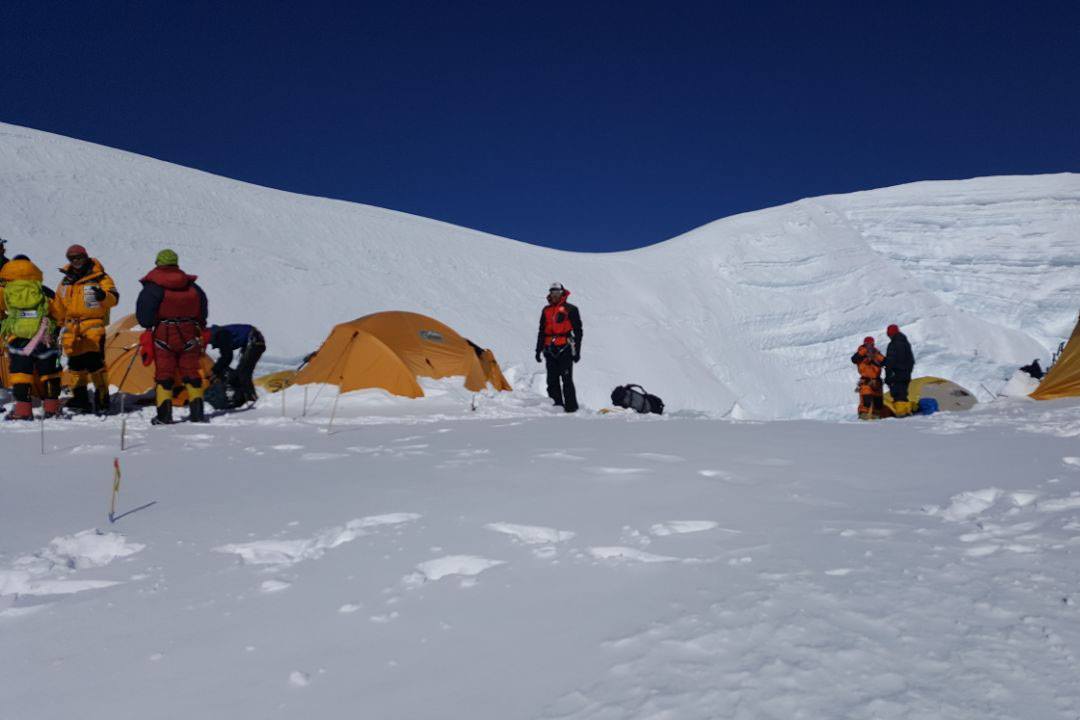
542, 539
467, 567
660, 457
559, 456
47, 571
618, 470
619, 554
967, 504
683, 527
282, 553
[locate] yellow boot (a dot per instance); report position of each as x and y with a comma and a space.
196, 403
901, 408
163, 399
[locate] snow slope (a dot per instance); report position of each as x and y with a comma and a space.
1004, 249
752, 316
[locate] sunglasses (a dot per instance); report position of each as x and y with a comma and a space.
76, 258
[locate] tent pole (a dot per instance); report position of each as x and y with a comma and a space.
333, 411
341, 378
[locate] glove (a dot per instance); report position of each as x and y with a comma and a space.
577, 356
99, 294
537, 356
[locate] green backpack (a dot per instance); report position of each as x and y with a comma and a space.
27, 307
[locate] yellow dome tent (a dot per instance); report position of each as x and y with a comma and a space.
1063, 379
949, 395
390, 350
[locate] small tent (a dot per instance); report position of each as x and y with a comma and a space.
390, 350
1063, 379
276, 381
949, 395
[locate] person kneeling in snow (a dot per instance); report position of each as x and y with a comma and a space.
559, 341
174, 309
899, 364
227, 340
870, 360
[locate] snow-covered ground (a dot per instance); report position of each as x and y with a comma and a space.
421, 561
753, 316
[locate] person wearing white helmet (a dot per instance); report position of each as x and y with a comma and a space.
559, 342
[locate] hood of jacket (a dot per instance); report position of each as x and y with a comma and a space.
169, 277
20, 270
94, 271
562, 300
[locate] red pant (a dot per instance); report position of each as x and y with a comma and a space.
177, 347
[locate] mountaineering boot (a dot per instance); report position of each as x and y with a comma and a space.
101, 392
102, 401
80, 400
22, 410
197, 411
51, 408
901, 408
196, 404
163, 397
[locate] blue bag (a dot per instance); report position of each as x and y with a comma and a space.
927, 406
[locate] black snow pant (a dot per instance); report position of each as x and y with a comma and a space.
560, 376
898, 386
249, 358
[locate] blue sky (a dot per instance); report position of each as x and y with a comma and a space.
587, 126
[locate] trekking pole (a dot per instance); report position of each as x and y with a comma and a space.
473, 408
303, 413
283, 401
120, 389
43, 430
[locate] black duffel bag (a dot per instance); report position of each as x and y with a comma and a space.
635, 398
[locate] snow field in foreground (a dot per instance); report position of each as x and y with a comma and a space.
524, 564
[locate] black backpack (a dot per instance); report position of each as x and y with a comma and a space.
635, 398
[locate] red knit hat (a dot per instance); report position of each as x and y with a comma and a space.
77, 251
868, 340
892, 330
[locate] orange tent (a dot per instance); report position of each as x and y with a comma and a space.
389, 350
1063, 379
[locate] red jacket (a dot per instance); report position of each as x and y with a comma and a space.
170, 294
560, 324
